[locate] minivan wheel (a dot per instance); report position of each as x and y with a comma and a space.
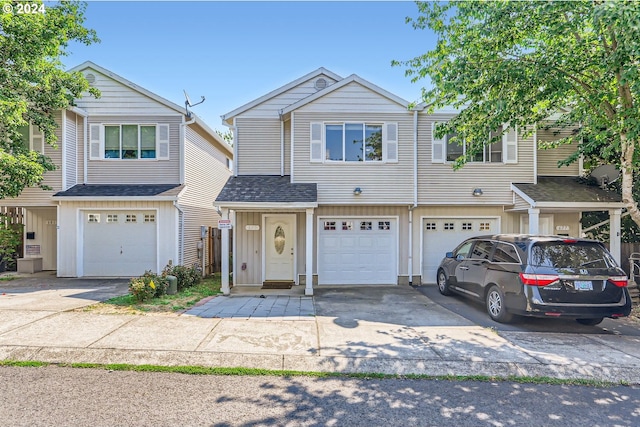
496, 305
590, 322
443, 283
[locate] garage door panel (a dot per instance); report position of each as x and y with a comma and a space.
357, 251
442, 235
119, 243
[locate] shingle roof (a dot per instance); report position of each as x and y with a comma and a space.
267, 189
567, 189
121, 190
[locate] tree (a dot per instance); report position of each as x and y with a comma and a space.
519, 62
227, 136
34, 85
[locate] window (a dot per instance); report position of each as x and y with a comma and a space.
112, 218
129, 141
93, 218
384, 225
32, 137
463, 250
466, 226
354, 142
448, 226
329, 225
448, 148
131, 218
485, 226
430, 226
347, 225
365, 225
149, 218
482, 249
506, 252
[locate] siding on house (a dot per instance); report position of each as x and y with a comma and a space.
259, 147
271, 107
71, 149
71, 221
34, 196
117, 98
438, 183
143, 171
353, 97
205, 175
548, 158
42, 222
381, 183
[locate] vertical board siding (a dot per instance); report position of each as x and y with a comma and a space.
438, 183
270, 108
389, 183
144, 171
80, 149
42, 222
258, 145
205, 175
354, 97
548, 158
72, 215
71, 147
117, 98
287, 147
248, 249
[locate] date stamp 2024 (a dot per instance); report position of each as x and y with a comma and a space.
24, 8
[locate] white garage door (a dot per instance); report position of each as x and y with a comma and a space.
442, 235
358, 251
119, 243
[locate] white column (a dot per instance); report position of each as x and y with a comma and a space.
614, 234
308, 290
226, 290
534, 221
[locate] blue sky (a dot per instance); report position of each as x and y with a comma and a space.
235, 52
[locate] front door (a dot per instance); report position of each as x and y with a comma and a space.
279, 244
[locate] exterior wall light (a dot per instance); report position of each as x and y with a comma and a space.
477, 191
357, 191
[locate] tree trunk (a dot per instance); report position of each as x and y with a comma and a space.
626, 167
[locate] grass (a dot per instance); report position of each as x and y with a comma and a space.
6, 278
183, 300
222, 371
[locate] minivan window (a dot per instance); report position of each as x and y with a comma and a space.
463, 251
506, 253
482, 249
570, 255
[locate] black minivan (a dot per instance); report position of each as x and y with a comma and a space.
540, 276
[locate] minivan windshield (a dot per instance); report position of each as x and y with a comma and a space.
560, 254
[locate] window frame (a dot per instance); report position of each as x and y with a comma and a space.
97, 141
121, 135
388, 135
439, 147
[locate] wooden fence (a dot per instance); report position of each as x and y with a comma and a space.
214, 251
14, 216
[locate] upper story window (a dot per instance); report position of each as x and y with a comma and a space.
354, 142
32, 137
448, 148
129, 141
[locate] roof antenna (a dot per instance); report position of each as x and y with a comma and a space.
188, 103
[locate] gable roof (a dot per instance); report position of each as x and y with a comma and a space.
267, 190
179, 109
353, 78
320, 71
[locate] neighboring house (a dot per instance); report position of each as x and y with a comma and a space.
337, 182
134, 187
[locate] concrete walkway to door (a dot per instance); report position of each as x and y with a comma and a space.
369, 329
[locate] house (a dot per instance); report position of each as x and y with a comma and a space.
337, 181
134, 186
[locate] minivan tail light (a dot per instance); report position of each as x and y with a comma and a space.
570, 241
538, 279
619, 281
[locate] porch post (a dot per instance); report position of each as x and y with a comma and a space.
614, 234
534, 221
226, 290
308, 290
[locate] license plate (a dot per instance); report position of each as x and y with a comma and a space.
583, 285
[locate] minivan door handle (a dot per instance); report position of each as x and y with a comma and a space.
464, 268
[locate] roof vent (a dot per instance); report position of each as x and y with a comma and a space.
320, 84
91, 78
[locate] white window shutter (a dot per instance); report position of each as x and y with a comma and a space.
390, 142
437, 146
510, 145
36, 138
96, 142
316, 142
162, 142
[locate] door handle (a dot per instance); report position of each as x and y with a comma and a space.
464, 268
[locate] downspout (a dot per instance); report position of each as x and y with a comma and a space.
63, 150
183, 136
535, 155
281, 143
235, 148
180, 232
75, 172
85, 167
293, 131
415, 193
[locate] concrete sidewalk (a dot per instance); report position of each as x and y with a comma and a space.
392, 330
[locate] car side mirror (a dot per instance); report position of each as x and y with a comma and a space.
449, 255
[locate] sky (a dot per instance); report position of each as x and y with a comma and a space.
234, 52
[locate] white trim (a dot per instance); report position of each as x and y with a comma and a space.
424, 217
294, 229
280, 90
63, 149
282, 146
267, 205
321, 218
293, 139
234, 129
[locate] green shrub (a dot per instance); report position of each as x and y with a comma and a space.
148, 286
187, 276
